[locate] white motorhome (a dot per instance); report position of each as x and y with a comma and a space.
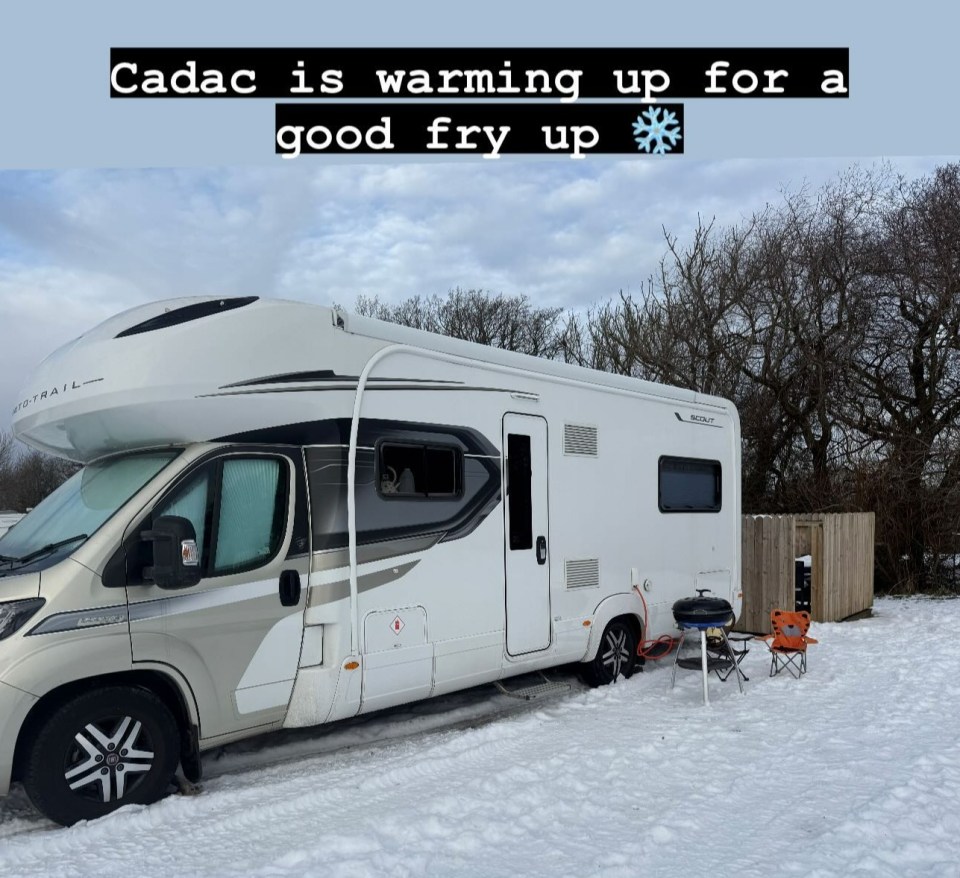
289, 515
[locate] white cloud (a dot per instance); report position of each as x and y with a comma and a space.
77, 246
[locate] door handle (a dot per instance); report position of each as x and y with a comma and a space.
289, 588
541, 550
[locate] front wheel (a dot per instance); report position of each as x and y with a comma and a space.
615, 657
99, 751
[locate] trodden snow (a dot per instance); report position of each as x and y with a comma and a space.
852, 770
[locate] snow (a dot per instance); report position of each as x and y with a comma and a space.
853, 770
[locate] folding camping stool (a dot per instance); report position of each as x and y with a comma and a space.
789, 641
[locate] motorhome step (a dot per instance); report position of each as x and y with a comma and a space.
529, 691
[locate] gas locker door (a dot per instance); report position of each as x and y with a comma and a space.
526, 533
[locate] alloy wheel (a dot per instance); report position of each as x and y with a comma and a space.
616, 652
108, 758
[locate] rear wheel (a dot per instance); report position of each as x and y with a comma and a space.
100, 751
616, 656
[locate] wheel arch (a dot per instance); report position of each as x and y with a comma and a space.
620, 606
174, 693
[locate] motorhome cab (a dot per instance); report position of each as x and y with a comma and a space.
288, 516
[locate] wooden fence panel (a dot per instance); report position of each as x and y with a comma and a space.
842, 570
841, 547
767, 546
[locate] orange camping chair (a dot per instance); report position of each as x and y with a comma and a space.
788, 643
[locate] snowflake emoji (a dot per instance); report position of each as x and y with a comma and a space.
656, 135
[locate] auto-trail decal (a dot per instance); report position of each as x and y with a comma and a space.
51, 392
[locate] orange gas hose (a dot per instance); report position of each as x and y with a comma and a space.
664, 642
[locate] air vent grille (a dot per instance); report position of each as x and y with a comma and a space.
579, 440
583, 573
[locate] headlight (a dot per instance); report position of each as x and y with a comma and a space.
14, 614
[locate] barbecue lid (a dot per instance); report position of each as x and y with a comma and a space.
702, 610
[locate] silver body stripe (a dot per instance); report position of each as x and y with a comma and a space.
80, 619
218, 596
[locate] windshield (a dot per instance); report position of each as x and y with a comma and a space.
79, 507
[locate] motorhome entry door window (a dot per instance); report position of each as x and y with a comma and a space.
519, 497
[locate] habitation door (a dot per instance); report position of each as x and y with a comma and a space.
526, 533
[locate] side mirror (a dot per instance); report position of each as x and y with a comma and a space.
176, 558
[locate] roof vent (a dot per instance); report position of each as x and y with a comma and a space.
579, 440
583, 573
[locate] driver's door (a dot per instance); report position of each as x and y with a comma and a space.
236, 635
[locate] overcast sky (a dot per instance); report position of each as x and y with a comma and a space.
78, 246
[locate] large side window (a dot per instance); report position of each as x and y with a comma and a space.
688, 484
237, 506
419, 470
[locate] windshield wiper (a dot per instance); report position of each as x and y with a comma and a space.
49, 547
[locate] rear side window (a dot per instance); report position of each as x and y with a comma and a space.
689, 484
419, 470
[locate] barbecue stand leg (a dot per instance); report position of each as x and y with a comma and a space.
676, 658
733, 658
703, 663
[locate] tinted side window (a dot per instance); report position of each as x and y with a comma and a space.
688, 484
419, 471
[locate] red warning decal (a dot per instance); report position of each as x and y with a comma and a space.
396, 625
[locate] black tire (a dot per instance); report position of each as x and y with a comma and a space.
616, 655
99, 751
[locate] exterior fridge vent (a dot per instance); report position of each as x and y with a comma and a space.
583, 573
579, 440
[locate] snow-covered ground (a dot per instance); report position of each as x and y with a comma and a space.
853, 770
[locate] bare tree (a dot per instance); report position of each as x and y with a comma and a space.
807, 315
907, 374
27, 476
683, 326
512, 323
